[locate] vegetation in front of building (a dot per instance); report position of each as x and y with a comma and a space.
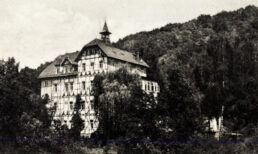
200, 65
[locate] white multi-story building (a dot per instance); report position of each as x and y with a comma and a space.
72, 73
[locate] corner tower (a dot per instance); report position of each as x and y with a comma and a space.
105, 33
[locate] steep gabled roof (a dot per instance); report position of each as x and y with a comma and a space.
50, 70
109, 51
115, 53
67, 59
71, 56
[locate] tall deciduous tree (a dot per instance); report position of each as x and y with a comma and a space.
180, 112
77, 122
123, 109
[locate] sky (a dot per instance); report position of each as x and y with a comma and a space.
36, 31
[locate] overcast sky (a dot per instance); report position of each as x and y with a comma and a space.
36, 31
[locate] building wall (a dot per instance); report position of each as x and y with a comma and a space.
63, 90
116, 64
150, 87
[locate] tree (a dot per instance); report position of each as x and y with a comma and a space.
10, 100
77, 122
179, 109
23, 113
123, 109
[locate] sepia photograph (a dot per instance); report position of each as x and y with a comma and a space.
128, 76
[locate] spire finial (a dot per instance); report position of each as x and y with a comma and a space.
105, 33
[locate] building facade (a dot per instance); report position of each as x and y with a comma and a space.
73, 73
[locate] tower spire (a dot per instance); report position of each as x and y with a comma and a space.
105, 33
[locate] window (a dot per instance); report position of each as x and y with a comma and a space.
92, 104
71, 86
55, 87
58, 70
83, 67
92, 64
91, 123
66, 87
101, 64
83, 105
92, 51
83, 85
46, 83
71, 105
55, 105
71, 69
152, 87
145, 86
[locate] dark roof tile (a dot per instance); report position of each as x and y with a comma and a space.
50, 70
116, 53
110, 51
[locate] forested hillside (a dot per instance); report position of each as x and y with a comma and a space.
206, 68
217, 57
192, 38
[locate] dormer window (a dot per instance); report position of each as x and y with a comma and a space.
66, 69
57, 70
75, 68
92, 51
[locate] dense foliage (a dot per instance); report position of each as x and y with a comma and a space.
77, 122
206, 68
216, 56
124, 110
